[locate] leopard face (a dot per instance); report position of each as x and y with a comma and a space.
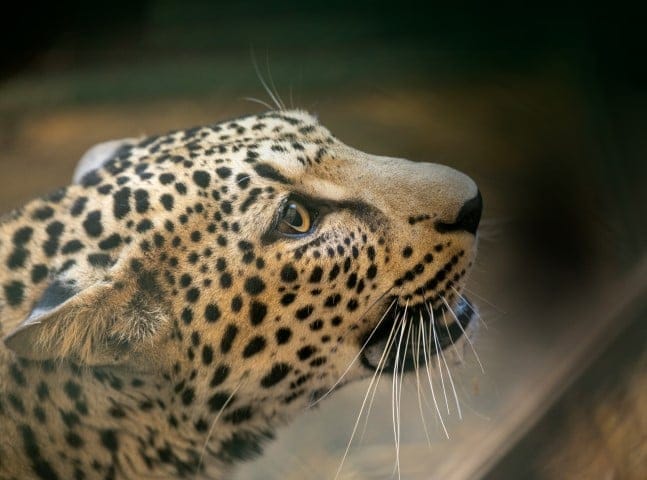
199, 288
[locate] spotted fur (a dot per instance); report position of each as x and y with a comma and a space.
158, 323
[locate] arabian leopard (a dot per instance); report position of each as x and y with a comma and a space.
189, 293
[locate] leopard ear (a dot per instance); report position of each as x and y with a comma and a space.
100, 154
106, 323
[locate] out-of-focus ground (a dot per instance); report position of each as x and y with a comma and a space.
561, 276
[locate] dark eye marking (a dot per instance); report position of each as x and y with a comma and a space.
268, 171
319, 208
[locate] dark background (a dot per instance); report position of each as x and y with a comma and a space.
544, 105
121, 51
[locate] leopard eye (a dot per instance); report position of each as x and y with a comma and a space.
295, 219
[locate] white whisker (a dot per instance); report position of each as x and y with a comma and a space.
265, 86
380, 368
416, 365
451, 382
432, 322
473, 293
243, 179
449, 373
431, 385
375, 375
261, 102
269, 74
350, 365
449, 335
213, 424
291, 97
406, 326
394, 396
469, 305
469, 341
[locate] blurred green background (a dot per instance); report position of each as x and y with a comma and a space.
544, 105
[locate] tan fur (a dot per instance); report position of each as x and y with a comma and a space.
158, 323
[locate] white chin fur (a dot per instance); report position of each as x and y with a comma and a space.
373, 353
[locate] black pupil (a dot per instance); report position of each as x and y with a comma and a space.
293, 217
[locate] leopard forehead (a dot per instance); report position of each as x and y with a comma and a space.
168, 248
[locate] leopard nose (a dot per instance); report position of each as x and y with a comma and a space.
468, 217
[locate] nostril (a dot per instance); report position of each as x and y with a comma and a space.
470, 215
468, 218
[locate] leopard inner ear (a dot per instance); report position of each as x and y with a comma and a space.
61, 325
56, 294
97, 325
100, 154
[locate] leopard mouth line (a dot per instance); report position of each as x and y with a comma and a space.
419, 323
